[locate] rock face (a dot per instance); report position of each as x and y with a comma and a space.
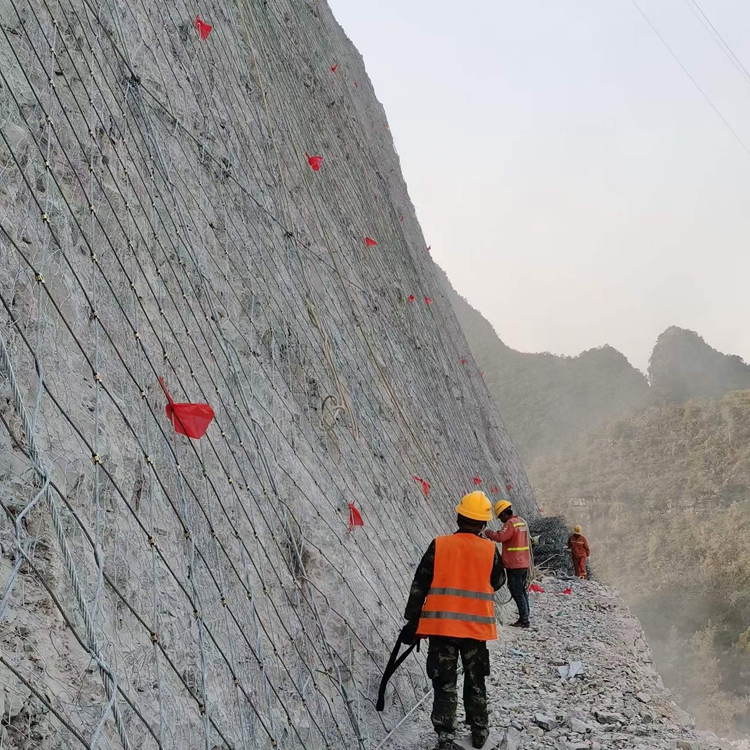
684, 366
601, 708
159, 217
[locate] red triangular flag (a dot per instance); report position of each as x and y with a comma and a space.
509, 487
464, 360
334, 68
427, 301
370, 242
477, 480
355, 519
425, 484
314, 161
191, 420
536, 589
567, 591
411, 298
203, 28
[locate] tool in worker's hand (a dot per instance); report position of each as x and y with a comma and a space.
407, 637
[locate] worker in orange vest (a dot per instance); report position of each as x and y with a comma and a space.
579, 546
452, 602
514, 536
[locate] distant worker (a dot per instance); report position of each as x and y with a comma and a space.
452, 602
579, 546
514, 536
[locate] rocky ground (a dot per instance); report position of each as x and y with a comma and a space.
616, 701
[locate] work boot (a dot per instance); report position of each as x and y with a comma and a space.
520, 624
479, 737
445, 741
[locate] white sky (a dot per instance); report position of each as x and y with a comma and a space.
572, 181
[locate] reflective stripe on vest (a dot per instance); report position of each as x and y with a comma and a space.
462, 592
517, 549
457, 616
461, 601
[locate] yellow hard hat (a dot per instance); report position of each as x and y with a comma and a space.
475, 506
577, 530
500, 506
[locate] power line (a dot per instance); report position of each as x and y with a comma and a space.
694, 82
718, 38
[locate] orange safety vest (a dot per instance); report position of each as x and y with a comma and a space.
516, 549
461, 600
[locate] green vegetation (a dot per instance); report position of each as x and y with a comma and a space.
665, 498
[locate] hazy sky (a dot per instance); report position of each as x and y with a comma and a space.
571, 179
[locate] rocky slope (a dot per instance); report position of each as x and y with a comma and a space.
160, 217
617, 701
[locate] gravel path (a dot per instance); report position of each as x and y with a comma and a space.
617, 701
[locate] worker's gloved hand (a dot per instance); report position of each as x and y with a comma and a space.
409, 633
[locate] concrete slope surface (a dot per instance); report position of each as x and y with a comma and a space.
612, 697
215, 201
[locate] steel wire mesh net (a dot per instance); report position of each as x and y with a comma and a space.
159, 218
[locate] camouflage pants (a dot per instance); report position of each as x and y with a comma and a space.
442, 669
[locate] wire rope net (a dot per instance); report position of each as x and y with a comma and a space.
159, 219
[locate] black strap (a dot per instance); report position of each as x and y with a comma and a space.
394, 662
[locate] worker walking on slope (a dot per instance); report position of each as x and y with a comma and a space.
452, 602
579, 546
514, 536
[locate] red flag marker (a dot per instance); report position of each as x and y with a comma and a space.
535, 588
411, 298
494, 490
370, 242
464, 360
203, 28
355, 519
567, 592
314, 161
334, 68
356, 85
402, 219
427, 301
425, 487
191, 420
477, 480
429, 248
417, 479
509, 487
